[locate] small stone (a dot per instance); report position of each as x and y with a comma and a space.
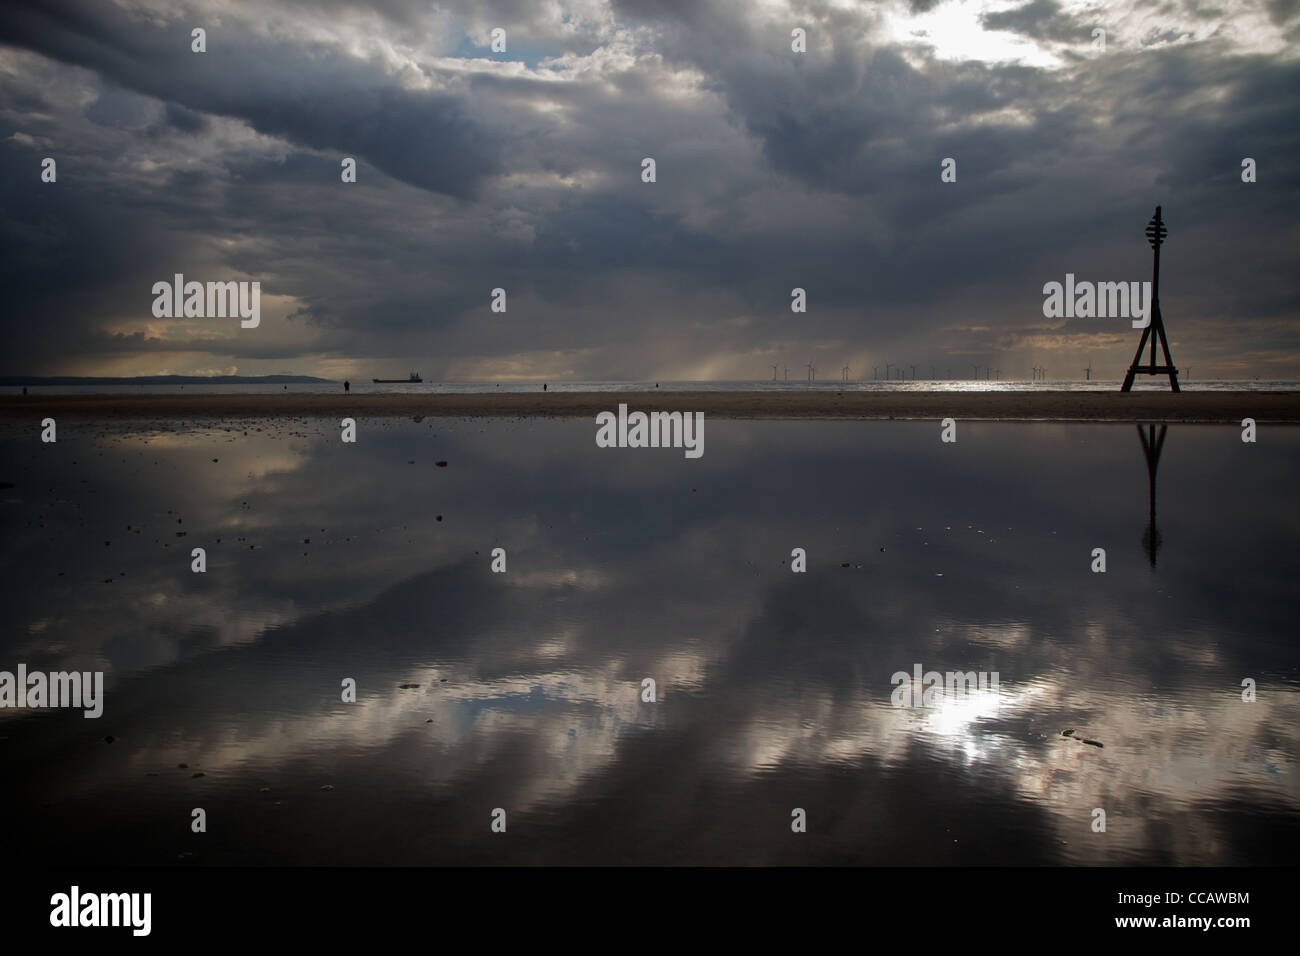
328, 787
196, 774
441, 464
109, 739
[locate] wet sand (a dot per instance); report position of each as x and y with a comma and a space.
1276, 407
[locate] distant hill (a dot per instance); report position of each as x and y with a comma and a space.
162, 380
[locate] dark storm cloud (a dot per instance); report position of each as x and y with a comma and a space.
1042, 19
332, 102
1280, 11
775, 170
183, 120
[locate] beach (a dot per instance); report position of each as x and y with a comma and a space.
640, 656
1057, 406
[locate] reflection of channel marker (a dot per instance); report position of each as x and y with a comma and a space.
1155, 328
1152, 446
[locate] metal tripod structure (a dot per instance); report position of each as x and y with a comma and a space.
1155, 329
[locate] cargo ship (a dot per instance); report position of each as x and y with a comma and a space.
397, 381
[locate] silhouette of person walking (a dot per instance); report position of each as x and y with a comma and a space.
347, 386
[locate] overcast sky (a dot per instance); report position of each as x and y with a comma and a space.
523, 170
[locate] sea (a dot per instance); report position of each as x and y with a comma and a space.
626, 656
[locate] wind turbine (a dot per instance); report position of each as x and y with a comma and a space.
812, 370
1088, 372
787, 373
774, 373
875, 372
931, 373
888, 366
914, 373
977, 371
845, 372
